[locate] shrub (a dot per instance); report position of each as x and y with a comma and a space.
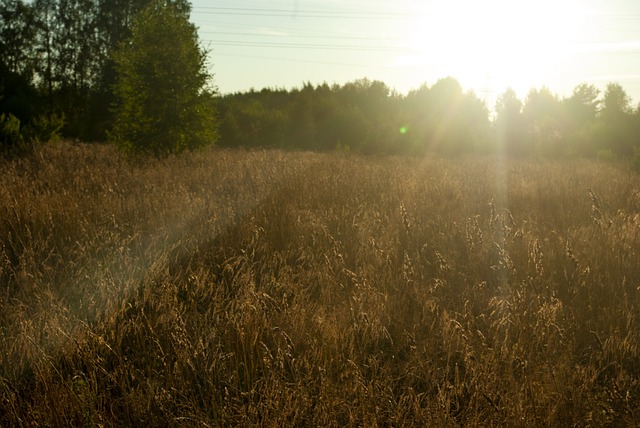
606, 155
10, 135
45, 128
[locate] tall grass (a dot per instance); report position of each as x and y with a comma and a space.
294, 289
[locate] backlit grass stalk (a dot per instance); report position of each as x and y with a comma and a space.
296, 289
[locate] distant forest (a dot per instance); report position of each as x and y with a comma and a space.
57, 77
368, 117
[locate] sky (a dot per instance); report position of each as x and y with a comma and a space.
488, 45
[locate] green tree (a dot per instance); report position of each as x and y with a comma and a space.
44, 13
583, 104
76, 62
443, 118
113, 25
542, 114
509, 123
303, 131
445, 98
364, 107
17, 36
164, 101
616, 101
578, 119
617, 127
18, 96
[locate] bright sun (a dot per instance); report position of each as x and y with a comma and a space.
494, 44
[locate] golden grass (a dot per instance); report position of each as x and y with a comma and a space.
267, 288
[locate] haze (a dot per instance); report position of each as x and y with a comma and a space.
487, 46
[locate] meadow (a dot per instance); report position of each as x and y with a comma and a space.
271, 288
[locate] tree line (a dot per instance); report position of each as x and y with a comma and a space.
369, 117
133, 72
83, 69
57, 61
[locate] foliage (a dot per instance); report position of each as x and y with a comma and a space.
10, 134
163, 102
45, 128
62, 50
59, 58
365, 115
16, 31
17, 139
542, 119
620, 125
270, 288
371, 118
606, 155
509, 123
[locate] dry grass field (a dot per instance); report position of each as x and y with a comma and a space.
266, 288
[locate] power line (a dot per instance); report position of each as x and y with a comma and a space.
343, 14
389, 48
367, 48
298, 36
298, 60
214, 10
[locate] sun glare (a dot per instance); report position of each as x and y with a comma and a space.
494, 44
